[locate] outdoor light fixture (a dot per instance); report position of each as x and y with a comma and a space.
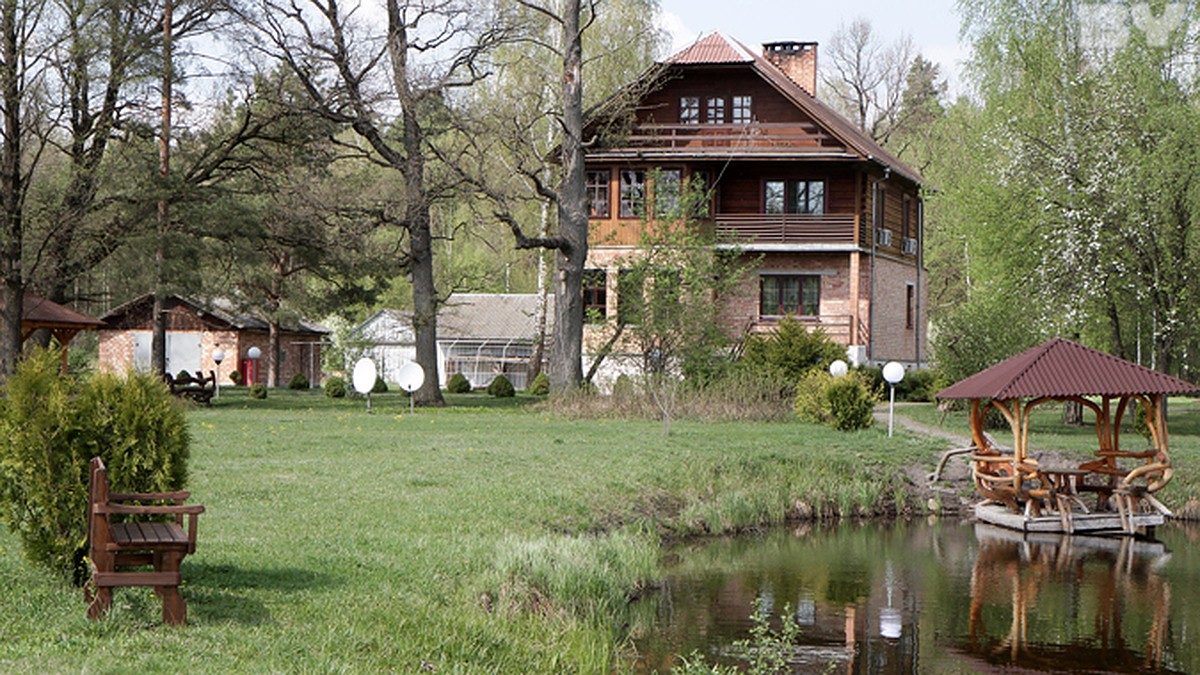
412, 376
253, 353
893, 372
218, 356
838, 368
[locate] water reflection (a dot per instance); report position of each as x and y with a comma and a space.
945, 597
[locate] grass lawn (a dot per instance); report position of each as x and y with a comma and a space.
484, 537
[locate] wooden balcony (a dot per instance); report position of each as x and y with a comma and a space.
841, 328
798, 137
788, 228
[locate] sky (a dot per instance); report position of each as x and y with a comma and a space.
932, 24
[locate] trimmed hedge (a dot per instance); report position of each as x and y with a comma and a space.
540, 385
501, 387
258, 391
335, 387
298, 382
458, 384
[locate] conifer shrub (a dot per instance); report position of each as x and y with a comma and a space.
844, 403
236, 377
298, 382
258, 391
183, 375
50, 428
335, 387
380, 387
540, 385
458, 384
501, 387
790, 351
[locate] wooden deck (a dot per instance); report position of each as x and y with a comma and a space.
1095, 523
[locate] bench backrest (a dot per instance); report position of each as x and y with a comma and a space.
97, 494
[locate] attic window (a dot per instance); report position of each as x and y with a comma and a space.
715, 112
689, 110
741, 110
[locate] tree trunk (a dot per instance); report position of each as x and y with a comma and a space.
273, 353
158, 339
566, 353
12, 289
543, 291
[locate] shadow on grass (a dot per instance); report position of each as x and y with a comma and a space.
225, 593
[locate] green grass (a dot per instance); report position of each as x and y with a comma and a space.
487, 536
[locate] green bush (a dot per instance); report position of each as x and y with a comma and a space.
790, 351
235, 377
458, 384
844, 403
380, 387
183, 375
258, 391
540, 385
335, 387
298, 382
501, 387
50, 428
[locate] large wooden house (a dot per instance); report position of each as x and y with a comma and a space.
831, 219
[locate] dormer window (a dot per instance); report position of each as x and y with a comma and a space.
689, 110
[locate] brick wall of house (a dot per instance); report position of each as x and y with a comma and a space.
740, 306
893, 339
300, 355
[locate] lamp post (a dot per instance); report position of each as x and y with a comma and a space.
218, 356
253, 353
892, 372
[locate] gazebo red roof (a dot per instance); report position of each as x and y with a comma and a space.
42, 313
1060, 367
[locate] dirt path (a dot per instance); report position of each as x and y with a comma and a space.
952, 492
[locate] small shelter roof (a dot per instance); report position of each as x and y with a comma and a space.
491, 316
1059, 368
42, 313
217, 313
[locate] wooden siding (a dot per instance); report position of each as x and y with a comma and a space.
777, 122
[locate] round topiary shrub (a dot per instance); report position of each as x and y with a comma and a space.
540, 385
380, 387
844, 403
501, 387
258, 391
850, 403
298, 382
50, 428
183, 376
458, 384
335, 387
236, 377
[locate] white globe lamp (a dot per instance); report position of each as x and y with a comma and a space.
364, 378
218, 356
893, 372
838, 368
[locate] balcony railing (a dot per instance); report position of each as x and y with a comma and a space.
788, 228
799, 136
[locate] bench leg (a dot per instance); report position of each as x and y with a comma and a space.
174, 609
99, 601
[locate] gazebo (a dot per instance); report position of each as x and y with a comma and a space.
1022, 494
63, 323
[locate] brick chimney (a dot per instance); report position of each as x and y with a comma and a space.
797, 60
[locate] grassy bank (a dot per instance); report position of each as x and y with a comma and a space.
485, 537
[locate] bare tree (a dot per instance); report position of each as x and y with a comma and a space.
867, 77
388, 88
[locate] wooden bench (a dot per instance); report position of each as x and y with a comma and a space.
115, 545
199, 388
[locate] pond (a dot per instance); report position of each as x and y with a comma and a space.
933, 596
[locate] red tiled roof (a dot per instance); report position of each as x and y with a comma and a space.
1063, 368
716, 49
713, 48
